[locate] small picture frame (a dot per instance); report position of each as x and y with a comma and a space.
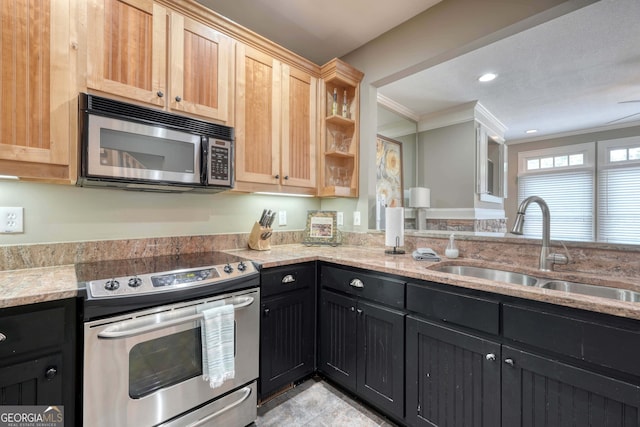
322, 228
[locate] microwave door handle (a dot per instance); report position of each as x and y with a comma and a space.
204, 160
113, 332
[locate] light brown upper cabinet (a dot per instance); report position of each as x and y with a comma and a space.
130, 58
276, 125
200, 59
340, 141
38, 98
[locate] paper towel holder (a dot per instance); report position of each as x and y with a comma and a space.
394, 230
395, 250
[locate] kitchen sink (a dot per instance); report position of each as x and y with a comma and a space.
489, 274
592, 290
506, 276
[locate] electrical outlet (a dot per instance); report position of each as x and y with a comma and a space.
282, 218
356, 218
11, 220
340, 218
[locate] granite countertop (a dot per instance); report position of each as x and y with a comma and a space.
28, 286
33, 285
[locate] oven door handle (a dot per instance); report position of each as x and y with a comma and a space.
115, 332
245, 396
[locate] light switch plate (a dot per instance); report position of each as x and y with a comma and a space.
340, 218
282, 218
11, 220
356, 218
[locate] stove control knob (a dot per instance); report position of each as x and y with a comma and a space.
134, 282
242, 266
112, 285
228, 269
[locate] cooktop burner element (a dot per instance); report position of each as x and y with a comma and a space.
143, 276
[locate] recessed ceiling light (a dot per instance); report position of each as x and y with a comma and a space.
487, 77
531, 131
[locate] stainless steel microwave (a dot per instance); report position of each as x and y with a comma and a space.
136, 148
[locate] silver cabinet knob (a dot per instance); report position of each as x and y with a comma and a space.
178, 98
2, 337
356, 283
359, 311
160, 94
490, 356
353, 309
509, 361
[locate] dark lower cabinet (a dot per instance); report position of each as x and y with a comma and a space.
287, 336
34, 382
337, 356
38, 356
362, 348
453, 378
541, 392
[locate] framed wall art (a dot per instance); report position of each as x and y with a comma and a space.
389, 172
322, 228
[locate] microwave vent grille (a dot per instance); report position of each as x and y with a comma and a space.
110, 107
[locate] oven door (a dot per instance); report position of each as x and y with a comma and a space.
145, 368
120, 149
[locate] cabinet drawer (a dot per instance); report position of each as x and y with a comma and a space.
376, 288
288, 278
30, 331
592, 341
471, 312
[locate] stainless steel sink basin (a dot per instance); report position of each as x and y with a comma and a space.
592, 290
490, 274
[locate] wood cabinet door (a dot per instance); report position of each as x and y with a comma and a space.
37, 93
542, 392
200, 69
380, 360
299, 128
127, 49
258, 113
337, 338
452, 378
287, 339
33, 382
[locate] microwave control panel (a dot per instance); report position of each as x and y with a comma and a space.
220, 159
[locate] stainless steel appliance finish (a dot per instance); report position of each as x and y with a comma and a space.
142, 360
137, 148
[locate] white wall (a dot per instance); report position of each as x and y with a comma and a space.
64, 213
447, 158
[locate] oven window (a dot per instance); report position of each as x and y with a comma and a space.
164, 361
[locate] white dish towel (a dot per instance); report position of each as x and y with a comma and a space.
217, 329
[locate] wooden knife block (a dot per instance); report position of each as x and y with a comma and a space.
256, 241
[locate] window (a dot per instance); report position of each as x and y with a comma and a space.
580, 188
619, 190
564, 178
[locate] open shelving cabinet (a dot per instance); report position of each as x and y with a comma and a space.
339, 141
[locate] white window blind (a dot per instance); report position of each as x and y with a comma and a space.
619, 205
569, 196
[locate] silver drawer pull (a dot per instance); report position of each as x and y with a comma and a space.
246, 393
288, 279
356, 283
2, 337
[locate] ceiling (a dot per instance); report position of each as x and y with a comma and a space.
319, 30
565, 75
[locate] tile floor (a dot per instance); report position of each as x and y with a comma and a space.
317, 403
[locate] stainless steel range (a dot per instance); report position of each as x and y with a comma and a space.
143, 359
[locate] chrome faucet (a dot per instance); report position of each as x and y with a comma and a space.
547, 259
